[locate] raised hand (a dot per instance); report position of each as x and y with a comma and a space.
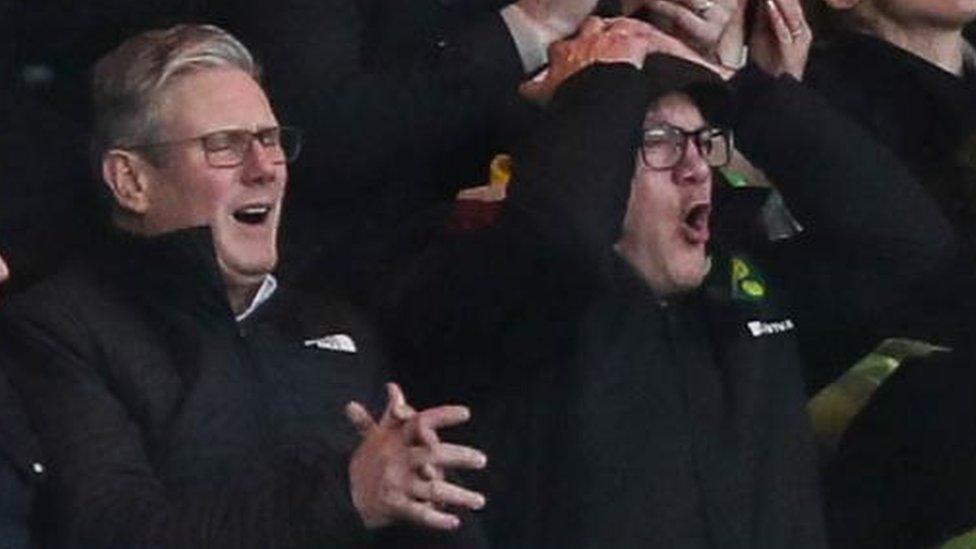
781, 37
699, 23
396, 473
616, 40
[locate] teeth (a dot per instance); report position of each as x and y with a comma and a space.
252, 215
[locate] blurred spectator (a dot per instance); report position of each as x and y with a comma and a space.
20, 467
184, 398
904, 70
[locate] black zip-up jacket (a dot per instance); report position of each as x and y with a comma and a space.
168, 423
616, 420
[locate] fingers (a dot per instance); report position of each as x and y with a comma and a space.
442, 416
700, 21
427, 515
539, 89
450, 456
777, 23
792, 14
592, 25
397, 403
440, 492
428, 471
360, 418
679, 15
423, 426
704, 9
787, 21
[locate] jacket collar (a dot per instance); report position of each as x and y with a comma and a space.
178, 269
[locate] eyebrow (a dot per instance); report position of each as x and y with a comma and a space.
665, 125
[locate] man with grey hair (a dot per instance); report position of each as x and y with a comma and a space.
183, 398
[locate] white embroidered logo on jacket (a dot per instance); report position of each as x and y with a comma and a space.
335, 342
758, 328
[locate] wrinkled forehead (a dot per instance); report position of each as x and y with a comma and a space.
677, 109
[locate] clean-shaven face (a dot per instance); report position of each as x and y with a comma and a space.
666, 226
241, 204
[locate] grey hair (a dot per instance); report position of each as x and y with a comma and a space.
127, 82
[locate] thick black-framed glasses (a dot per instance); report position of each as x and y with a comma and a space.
228, 148
664, 146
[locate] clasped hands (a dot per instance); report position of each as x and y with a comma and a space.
397, 472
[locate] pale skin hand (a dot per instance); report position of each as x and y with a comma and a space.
781, 38
728, 51
699, 23
396, 473
617, 40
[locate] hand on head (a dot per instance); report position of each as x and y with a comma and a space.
616, 40
397, 472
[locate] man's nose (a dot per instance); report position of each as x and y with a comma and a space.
261, 164
693, 169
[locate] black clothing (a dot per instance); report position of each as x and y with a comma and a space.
168, 423
21, 472
616, 420
904, 473
924, 114
45, 213
891, 483
927, 117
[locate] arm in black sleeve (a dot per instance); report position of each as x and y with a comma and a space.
103, 487
873, 237
511, 291
574, 174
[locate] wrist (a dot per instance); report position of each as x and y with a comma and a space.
550, 26
531, 39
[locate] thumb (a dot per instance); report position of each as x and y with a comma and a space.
398, 407
537, 90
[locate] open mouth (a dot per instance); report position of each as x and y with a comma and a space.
252, 214
694, 224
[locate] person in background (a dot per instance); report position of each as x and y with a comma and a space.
903, 70
183, 398
21, 469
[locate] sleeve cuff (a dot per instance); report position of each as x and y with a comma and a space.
531, 39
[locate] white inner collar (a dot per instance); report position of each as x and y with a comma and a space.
267, 289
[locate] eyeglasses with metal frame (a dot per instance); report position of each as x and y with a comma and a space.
664, 146
228, 148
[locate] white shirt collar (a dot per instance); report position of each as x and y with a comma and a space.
267, 289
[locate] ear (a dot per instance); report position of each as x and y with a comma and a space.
842, 5
127, 177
